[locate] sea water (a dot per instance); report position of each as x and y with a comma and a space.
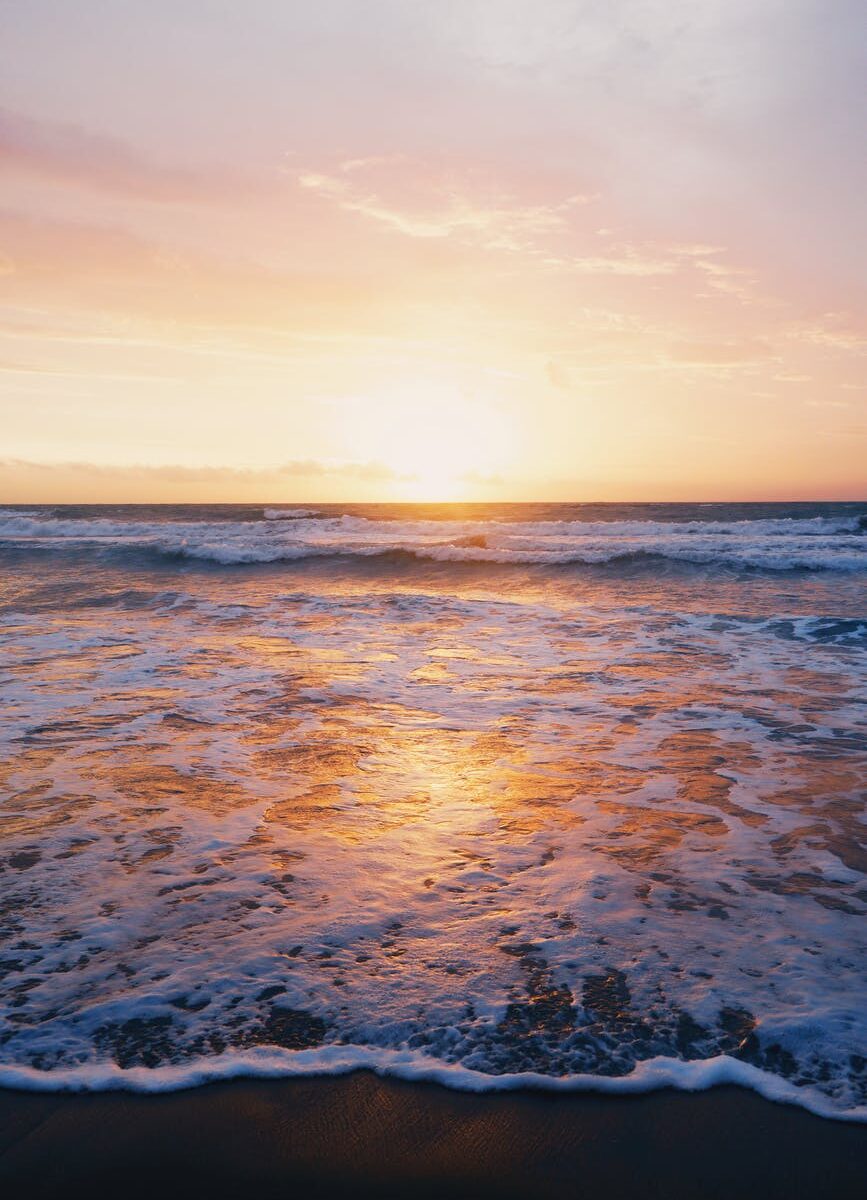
570, 795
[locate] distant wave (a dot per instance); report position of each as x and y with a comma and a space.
288, 514
295, 534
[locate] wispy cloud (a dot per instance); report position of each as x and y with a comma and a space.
68, 153
413, 200
628, 262
180, 473
720, 353
591, 220
835, 331
418, 200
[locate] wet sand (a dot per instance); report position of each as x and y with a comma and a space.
363, 1136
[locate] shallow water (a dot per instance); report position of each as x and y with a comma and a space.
574, 792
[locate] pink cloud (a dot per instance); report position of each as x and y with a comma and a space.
69, 154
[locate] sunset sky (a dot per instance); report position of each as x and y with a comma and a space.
406, 249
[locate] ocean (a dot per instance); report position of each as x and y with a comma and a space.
567, 796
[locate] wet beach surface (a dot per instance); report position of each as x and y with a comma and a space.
363, 1136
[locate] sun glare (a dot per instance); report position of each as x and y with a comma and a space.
439, 443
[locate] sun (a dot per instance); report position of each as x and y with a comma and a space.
434, 487
439, 444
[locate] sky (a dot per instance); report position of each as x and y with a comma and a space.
403, 250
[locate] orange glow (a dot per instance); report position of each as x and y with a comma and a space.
391, 300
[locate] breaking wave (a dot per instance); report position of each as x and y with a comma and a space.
288, 535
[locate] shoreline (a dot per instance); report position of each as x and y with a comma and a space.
361, 1134
275, 1063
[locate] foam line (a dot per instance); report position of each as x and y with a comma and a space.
275, 1063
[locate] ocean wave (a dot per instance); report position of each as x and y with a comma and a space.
757, 558
290, 535
288, 514
544, 830
273, 1062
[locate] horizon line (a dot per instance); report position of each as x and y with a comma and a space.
271, 503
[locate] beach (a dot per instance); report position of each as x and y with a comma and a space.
433, 600
361, 1135
554, 797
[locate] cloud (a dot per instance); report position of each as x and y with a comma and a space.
69, 267
180, 473
68, 153
557, 375
630, 263
418, 202
368, 471
720, 353
721, 277
845, 431
833, 331
482, 479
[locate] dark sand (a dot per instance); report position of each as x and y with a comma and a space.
359, 1135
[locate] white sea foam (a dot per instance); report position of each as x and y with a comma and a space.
288, 514
818, 543
274, 1063
571, 834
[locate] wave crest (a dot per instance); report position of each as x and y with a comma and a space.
293, 534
